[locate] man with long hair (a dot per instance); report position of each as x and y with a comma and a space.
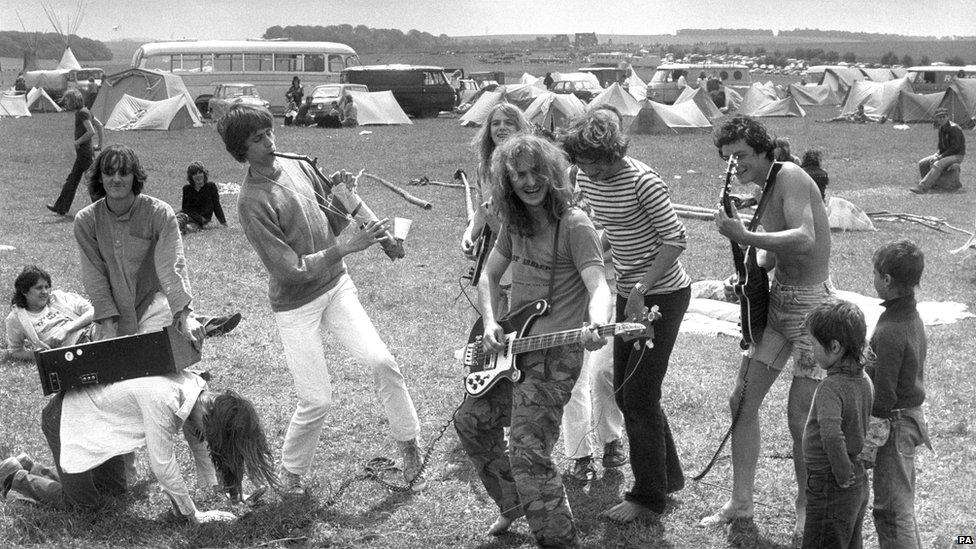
223, 432
554, 251
795, 240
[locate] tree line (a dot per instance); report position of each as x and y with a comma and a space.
363, 39
50, 45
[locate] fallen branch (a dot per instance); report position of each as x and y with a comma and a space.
402, 193
422, 181
282, 540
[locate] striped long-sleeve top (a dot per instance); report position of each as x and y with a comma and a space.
634, 206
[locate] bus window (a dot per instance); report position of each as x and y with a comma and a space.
336, 64
352, 61
929, 77
260, 62
433, 78
314, 62
227, 62
192, 62
724, 75
159, 62
736, 75
286, 62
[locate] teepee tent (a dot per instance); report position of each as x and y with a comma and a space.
478, 113
814, 95
68, 61
39, 101
879, 98
701, 98
378, 109
552, 111
916, 107
657, 118
140, 83
757, 102
13, 105
132, 113
618, 98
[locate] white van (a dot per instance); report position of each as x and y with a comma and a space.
665, 85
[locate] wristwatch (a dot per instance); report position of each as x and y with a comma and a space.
641, 288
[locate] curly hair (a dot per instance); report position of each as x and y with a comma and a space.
483, 143
73, 100
548, 167
195, 168
903, 261
25, 281
840, 321
116, 158
596, 136
237, 442
748, 129
238, 124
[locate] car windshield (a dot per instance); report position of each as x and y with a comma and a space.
230, 91
326, 91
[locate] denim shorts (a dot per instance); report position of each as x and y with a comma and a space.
786, 334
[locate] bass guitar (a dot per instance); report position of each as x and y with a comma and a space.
484, 242
487, 369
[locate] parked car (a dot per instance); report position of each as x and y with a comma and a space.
584, 90
225, 95
323, 96
421, 91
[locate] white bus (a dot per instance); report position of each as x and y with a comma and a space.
268, 64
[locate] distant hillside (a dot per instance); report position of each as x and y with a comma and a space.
50, 46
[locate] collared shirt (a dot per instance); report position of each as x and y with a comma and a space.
100, 422
127, 258
951, 140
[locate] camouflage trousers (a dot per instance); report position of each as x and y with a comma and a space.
522, 478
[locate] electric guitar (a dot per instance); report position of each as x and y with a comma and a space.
751, 280
487, 369
484, 242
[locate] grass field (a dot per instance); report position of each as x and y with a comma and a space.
415, 304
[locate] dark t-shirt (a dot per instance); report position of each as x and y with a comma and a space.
204, 203
81, 115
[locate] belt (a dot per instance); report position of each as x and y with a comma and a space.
899, 413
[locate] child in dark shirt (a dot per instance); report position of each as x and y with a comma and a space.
899, 345
201, 200
836, 485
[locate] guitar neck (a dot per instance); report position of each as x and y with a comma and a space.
547, 341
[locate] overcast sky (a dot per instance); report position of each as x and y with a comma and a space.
228, 19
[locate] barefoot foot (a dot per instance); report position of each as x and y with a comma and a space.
628, 511
728, 513
500, 526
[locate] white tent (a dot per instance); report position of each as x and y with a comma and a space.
660, 118
141, 83
132, 113
616, 97
879, 98
552, 111
636, 86
536, 81
39, 101
13, 105
378, 108
758, 102
701, 98
814, 95
68, 61
478, 112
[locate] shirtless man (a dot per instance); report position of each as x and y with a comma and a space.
796, 242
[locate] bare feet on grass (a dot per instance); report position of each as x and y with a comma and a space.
500, 526
628, 511
729, 512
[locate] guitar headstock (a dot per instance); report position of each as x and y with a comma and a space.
727, 188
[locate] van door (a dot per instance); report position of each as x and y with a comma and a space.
438, 95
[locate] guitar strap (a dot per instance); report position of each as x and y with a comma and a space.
552, 269
767, 191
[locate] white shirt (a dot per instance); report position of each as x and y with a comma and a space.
104, 421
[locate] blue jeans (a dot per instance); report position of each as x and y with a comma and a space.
834, 514
638, 375
894, 486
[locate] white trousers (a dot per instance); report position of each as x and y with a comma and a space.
343, 316
592, 401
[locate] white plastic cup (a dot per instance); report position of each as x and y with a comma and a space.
401, 227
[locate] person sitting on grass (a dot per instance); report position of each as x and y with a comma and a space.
201, 200
296, 237
222, 430
348, 113
836, 483
899, 346
43, 318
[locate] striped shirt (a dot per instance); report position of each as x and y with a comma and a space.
634, 207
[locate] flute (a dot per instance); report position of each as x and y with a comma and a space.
351, 202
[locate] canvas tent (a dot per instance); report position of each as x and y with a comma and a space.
378, 108
657, 118
13, 105
142, 84
68, 61
878, 75
960, 99
56, 78
616, 97
132, 113
478, 113
536, 81
841, 79
701, 98
552, 111
732, 99
814, 95
759, 103
521, 95
636, 86
39, 101
879, 98
916, 107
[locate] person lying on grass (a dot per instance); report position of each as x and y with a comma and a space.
222, 430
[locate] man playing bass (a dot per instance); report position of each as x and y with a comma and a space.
796, 243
